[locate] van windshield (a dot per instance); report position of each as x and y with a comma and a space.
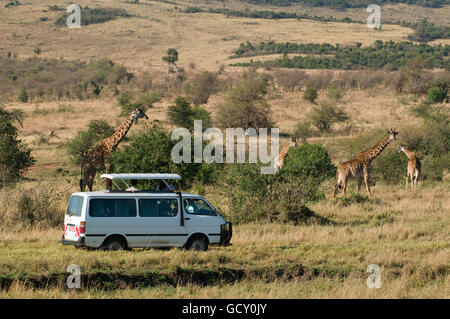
197, 206
75, 205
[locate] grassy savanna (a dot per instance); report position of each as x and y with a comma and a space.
140, 41
405, 232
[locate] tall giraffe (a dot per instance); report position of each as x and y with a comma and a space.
414, 166
100, 156
359, 166
279, 159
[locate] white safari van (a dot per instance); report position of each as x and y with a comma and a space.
131, 218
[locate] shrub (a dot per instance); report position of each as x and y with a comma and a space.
41, 205
325, 116
150, 151
253, 196
23, 96
303, 130
171, 58
245, 105
84, 141
183, 115
309, 161
334, 92
310, 95
15, 157
290, 80
433, 167
390, 167
437, 94
436, 139
202, 86
58, 78
143, 102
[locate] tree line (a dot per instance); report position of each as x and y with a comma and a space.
390, 55
342, 4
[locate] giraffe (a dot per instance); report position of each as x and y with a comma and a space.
414, 166
279, 159
100, 156
359, 166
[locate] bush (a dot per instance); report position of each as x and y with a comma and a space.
253, 196
143, 102
309, 161
433, 167
245, 105
183, 115
310, 95
390, 168
334, 92
290, 80
23, 96
436, 139
437, 94
41, 205
59, 78
84, 141
150, 152
303, 131
15, 157
201, 87
325, 116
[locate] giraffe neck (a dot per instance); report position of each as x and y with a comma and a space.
373, 152
111, 142
408, 153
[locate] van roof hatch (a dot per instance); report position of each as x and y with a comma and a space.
144, 176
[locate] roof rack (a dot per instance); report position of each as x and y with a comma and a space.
143, 176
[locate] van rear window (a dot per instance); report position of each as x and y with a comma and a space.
109, 207
75, 205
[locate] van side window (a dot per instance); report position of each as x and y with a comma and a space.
111, 207
158, 207
197, 207
75, 205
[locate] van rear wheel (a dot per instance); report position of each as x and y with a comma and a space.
114, 243
197, 243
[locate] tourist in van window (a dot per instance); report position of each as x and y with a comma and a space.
133, 187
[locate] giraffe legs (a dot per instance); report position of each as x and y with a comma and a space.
366, 180
90, 180
358, 183
88, 174
109, 169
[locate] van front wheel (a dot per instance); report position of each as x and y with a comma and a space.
114, 243
197, 243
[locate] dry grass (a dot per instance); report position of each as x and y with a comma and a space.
140, 42
406, 233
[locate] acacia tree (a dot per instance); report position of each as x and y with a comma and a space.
182, 114
171, 58
15, 157
325, 116
245, 105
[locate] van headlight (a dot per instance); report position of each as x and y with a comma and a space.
225, 227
